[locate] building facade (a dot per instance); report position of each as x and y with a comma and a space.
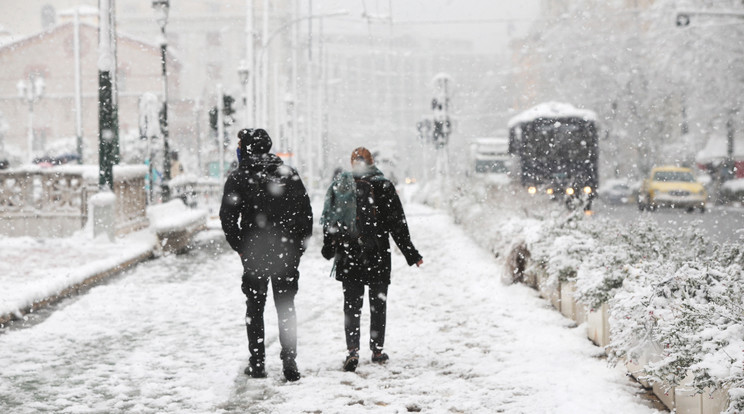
50, 55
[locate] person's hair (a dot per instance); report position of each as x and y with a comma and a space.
362, 154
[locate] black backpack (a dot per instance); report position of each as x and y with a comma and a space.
367, 220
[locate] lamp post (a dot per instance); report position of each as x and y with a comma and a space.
244, 74
31, 92
161, 8
289, 103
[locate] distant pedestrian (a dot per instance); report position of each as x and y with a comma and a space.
267, 218
361, 210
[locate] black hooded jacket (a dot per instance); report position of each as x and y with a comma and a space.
266, 214
391, 221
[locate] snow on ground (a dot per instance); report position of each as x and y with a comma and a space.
33, 269
169, 337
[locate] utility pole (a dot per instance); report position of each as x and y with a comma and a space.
78, 89
265, 68
161, 8
221, 131
250, 88
729, 163
292, 102
108, 122
197, 127
322, 83
309, 156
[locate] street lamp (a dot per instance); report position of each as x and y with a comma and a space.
244, 73
683, 20
161, 8
31, 92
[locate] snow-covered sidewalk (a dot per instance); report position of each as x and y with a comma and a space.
169, 337
37, 269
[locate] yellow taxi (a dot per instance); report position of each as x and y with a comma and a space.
672, 187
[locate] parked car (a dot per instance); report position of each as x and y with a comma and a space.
672, 187
616, 191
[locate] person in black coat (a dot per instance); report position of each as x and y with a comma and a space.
356, 269
267, 218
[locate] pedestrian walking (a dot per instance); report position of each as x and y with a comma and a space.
267, 218
361, 211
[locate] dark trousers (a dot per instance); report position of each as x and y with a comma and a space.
284, 289
353, 301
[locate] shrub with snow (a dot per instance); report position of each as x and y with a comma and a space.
677, 293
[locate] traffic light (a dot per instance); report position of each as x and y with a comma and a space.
442, 129
213, 120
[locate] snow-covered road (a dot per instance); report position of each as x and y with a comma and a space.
169, 337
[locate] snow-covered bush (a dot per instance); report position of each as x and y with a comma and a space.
673, 291
564, 243
690, 308
491, 215
620, 247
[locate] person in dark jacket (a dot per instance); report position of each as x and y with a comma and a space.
356, 270
267, 218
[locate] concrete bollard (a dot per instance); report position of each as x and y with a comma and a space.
101, 208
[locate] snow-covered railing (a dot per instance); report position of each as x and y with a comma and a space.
53, 202
197, 192
42, 203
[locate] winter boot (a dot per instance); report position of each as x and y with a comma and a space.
291, 373
255, 369
380, 357
351, 362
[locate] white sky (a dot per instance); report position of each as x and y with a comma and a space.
487, 23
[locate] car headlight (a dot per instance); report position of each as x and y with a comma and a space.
587, 190
549, 191
570, 191
532, 190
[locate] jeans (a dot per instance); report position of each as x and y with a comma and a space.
353, 301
